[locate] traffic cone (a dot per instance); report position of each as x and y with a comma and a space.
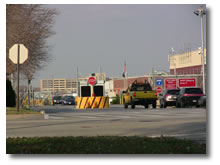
88, 105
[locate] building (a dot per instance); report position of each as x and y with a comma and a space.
58, 85
186, 63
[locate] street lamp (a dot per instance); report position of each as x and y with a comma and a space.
200, 12
174, 63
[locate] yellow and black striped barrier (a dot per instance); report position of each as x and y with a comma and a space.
92, 102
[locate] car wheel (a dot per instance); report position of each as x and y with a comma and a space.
133, 105
125, 106
154, 105
161, 105
182, 105
146, 106
164, 104
177, 104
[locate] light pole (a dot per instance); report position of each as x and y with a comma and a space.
200, 12
174, 63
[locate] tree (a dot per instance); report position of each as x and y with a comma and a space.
29, 25
10, 95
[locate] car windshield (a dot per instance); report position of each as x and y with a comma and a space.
193, 91
173, 92
57, 97
141, 87
68, 97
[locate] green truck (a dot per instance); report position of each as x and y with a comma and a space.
139, 93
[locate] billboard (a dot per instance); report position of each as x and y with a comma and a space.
187, 82
170, 83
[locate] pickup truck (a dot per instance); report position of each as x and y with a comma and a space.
139, 93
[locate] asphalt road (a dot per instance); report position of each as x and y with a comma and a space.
189, 123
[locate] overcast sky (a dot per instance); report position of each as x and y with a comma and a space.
89, 36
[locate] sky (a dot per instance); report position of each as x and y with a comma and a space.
94, 36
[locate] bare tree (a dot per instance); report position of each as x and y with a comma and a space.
29, 25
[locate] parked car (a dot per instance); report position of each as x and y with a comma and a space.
68, 100
168, 97
202, 101
188, 97
57, 100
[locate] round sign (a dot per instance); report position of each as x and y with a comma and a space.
158, 89
92, 80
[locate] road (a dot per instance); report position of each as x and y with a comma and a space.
67, 121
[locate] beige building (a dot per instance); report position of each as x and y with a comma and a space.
55, 85
187, 63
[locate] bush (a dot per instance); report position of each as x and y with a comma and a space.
116, 100
10, 95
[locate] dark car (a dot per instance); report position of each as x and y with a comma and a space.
188, 97
68, 100
202, 101
57, 100
168, 97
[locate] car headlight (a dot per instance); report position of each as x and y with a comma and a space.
55, 101
64, 101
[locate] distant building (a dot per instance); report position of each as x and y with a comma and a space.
187, 63
58, 85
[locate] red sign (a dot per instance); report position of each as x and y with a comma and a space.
170, 83
187, 82
158, 89
92, 80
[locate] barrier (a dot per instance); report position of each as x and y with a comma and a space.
92, 102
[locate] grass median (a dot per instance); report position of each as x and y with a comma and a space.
13, 111
103, 145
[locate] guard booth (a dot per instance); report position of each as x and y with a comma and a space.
92, 94
87, 90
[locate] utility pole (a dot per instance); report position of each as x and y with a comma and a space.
77, 83
200, 12
18, 77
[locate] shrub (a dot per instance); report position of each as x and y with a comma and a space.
10, 95
116, 100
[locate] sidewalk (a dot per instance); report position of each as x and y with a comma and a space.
25, 116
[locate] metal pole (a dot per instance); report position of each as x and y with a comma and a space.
28, 93
18, 61
33, 98
77, 85
203, 68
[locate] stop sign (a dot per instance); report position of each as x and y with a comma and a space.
13, 53
92, 80
158, 89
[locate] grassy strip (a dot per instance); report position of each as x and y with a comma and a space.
13, 111
102, 145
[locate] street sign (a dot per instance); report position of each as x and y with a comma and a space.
187, 82
170, 83
159, 82
158, 89
92, 80
18, 54
13, 53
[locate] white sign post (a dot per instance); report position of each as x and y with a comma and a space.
18, 54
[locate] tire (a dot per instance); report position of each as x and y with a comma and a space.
177, 104
132, 105
164, 104
146, 106
154, 105
125, 106
161, 105
182, 105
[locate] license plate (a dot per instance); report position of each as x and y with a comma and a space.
194, 101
